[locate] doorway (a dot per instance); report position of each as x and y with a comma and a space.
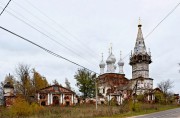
55, 100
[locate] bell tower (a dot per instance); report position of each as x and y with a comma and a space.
140, 58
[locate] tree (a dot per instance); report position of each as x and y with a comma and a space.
55, 82
159, 97
164, 86
67, 84
85, 82
24, 84
38, 81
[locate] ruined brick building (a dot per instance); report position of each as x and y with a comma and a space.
9, 94
114, 85
56, 95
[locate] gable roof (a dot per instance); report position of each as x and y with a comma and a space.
58, 89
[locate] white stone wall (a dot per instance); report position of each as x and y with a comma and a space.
108, 68
121, 70
111, 68
101, 70
143, 85
105, 90
8, 90
140, 69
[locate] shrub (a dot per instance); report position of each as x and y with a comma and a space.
159, 98
140, 98
22, 108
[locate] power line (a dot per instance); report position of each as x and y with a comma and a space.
169, 13
5, 7
57, 24
45, 49
46, 35
43, 32
59, 33
162, 20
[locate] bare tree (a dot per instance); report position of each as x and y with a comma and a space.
165, 86
24, 84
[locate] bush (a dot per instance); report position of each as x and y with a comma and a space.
159, 98
140, 98
22, 108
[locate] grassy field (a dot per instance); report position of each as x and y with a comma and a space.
89, 111
154, 108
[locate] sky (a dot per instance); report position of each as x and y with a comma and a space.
80, 30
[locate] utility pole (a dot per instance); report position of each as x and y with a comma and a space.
96, 94
135, 88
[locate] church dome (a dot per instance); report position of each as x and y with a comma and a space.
113, 59
102, 64
121, 63
109, 60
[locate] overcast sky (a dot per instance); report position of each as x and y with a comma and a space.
81, 30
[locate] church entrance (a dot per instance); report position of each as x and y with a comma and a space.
55, 100
67, 99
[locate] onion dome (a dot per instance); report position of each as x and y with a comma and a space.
102, 64
8, 85
120, 62
113, 59
109, 60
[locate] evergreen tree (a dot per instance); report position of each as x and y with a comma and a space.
55, 82
68, 84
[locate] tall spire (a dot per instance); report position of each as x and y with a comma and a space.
120, 55
102, 56
140, 45
111, 48
140, 59
139, 25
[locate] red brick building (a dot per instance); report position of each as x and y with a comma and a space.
9, 95
56, 95
113, 86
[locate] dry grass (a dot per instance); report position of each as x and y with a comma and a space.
89, 111
83, 111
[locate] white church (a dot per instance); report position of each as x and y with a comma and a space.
116, 85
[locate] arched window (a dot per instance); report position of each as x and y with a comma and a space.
42, 96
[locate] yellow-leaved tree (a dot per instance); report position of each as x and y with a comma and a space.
38, 81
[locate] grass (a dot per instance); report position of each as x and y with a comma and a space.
152, 108
89, 111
